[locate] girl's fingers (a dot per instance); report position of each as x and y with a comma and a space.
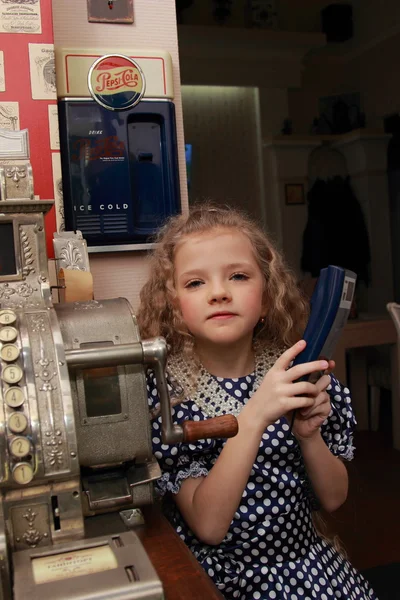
300, 402
290, 354
323, 383
331, 366
321, 410
304, 369
316, 422
303, 388
321, 406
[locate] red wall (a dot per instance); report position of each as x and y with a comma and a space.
33, 114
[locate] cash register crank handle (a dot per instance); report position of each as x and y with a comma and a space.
153, 353
225, 426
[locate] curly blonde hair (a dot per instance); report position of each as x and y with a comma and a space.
159, 313
287, 308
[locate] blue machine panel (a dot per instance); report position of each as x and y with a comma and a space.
120, 169
330, 308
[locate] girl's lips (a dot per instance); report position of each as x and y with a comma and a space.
222, 316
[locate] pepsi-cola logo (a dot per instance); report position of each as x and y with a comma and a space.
116, 82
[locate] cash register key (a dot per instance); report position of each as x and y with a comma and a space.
20, 447
7, 317
17, 422
12, 374
9, 352
8, 334
22, 473
14, 397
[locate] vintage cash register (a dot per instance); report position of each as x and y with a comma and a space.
75, 435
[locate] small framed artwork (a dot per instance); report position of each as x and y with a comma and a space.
294, 193
110, 11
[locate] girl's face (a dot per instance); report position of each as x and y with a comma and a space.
219, 287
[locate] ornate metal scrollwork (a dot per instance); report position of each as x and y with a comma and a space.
6, 291
32, 536
72, 256
54, 447
16, 173
23, 291
27, 253
45, 374
87, 305
38, 323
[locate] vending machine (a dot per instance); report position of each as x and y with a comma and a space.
118, 145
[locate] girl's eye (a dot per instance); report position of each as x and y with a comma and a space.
239, 277
193, 284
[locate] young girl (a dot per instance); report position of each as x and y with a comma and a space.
231, 313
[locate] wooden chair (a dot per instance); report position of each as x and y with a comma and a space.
379, 375
394, 311
379, 378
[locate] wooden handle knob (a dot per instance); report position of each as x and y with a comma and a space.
225, 426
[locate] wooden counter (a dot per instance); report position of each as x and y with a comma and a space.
179, 571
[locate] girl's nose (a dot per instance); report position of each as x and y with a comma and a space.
219, 293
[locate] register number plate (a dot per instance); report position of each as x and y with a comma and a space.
110, 566
73, 564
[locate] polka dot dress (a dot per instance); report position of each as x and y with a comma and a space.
272, 550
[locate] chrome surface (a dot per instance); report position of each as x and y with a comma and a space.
29, 287
132, 517
70, 251
16, 181
131, 575
14, 144
125, 354
112, 435
120, 248
75, 437
155, 356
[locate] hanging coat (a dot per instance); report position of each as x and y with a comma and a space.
336, 233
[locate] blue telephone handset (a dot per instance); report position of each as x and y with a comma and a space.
330, 308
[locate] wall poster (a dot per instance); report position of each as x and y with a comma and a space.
43, 71
20, 16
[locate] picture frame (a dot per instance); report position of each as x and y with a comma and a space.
294, 194
340, 113
110, 11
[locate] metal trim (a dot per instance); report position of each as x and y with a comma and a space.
86, 98
19, 142
16, 221
121, 248
94, 95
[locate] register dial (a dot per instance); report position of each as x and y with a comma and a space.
14, 397
9, 352
8, 334
17, 422
12, 374
22, 473
7, 317
20, 446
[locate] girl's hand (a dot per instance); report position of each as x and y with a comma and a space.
308, 421
280, 392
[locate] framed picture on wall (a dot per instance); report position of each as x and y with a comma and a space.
294, 193
110, 11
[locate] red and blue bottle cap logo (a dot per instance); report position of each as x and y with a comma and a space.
116, 82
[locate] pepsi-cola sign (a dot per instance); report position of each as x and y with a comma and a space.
116, 82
